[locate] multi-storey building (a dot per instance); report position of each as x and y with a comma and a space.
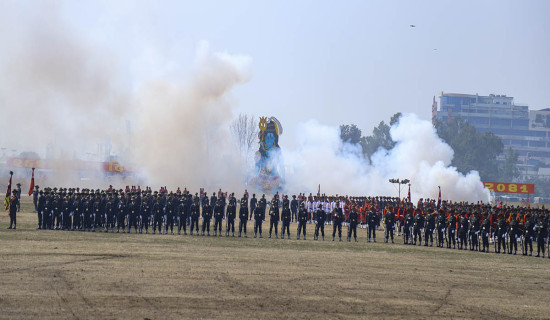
525, 131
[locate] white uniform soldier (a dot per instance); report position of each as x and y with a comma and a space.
310, 210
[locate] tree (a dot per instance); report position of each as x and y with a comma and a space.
350, 133
380, 137
472, 150
509, 170
245, 131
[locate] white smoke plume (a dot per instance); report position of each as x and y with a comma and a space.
419, 155
183, 132
60, 88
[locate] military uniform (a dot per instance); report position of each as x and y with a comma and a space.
389, 222
195, 214
474, 232
485, 233
463, 232
218, 218
528, 233
286, 217
429, 226
14, 203
294, 208
231, 214
440, 225
513, 233
302, 222
451, 230
259, 216
407, 227
206, 217
372, 221
243, 218
417, 227
274, 218
541, 232
320, 217
500, 233
337, 218
352, 228
253, 204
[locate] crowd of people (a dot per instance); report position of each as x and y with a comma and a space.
466, 226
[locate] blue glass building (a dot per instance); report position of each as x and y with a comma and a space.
525, 131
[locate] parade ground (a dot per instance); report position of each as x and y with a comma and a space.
85, 275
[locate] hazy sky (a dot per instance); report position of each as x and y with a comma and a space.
336, 61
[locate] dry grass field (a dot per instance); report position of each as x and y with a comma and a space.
81, 275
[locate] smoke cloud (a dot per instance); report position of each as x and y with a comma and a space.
66, 97
183, 137
419, 155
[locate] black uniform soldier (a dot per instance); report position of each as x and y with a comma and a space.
170, 212
485, 233
218, 217
286, 217
389, 222
294, 208
40, 209
195, 214
262, 203
337, 218
146, 209
274, 218
182, 212
417, 226
528, 235
14, 203
352, 227
429, 226
320, 218
541, 233
302, 221
440, 225
259, 216
253, 204
243, 218
206, 216
451, 229
500, 233
67, 212
462, 231
132, 212
121, 213
474, 231
513, 233
372, 221
231, 214
18, 193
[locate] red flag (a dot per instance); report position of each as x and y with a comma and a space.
8, 193
439, 199
31, 187
409, 195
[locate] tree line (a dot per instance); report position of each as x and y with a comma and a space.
473, 150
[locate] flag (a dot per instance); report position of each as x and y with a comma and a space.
409, 195
439, 199
319, 190
8, 193
31, 187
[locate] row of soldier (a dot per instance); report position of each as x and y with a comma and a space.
467, 225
